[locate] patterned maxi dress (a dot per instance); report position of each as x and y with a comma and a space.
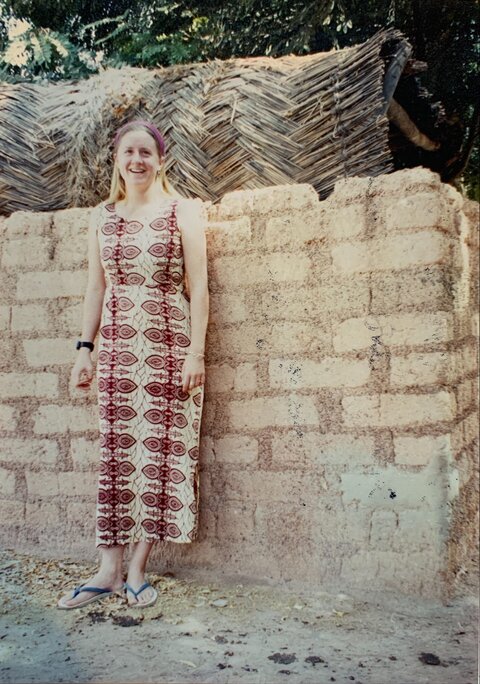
148, 485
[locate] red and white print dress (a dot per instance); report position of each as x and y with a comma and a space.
148, 486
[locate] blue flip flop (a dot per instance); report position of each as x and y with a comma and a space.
127, 587
100, 594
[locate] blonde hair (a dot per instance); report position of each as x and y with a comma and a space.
117, 185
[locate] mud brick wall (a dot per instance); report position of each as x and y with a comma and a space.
339, 437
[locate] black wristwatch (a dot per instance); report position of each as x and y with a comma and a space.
90, 345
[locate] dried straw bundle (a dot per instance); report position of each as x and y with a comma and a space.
240, 123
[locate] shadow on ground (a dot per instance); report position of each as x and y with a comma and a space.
199, 632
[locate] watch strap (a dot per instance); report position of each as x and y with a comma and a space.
89, 345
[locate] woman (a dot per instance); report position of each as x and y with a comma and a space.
144, 242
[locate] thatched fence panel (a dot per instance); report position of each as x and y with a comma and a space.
235, 124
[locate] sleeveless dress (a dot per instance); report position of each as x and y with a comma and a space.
148, 482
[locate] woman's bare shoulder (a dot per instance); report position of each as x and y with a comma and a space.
96, 213
189, 202
191, 209
98, 208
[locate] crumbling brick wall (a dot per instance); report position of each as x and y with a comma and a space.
339, 437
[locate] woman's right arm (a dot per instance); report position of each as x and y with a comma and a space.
82, 372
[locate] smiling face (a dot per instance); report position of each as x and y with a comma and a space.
137, 158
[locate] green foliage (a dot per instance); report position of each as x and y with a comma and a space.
157, 34
265, 27
39, 53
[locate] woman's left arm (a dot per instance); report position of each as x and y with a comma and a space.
192, 223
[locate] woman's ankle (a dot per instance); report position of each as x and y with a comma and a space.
112, 573
111, 562
136, 569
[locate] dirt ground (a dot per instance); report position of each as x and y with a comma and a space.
204, 632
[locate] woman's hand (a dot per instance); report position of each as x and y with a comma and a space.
82, 372
193, 372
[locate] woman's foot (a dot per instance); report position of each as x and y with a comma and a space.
102, 580
135, 580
